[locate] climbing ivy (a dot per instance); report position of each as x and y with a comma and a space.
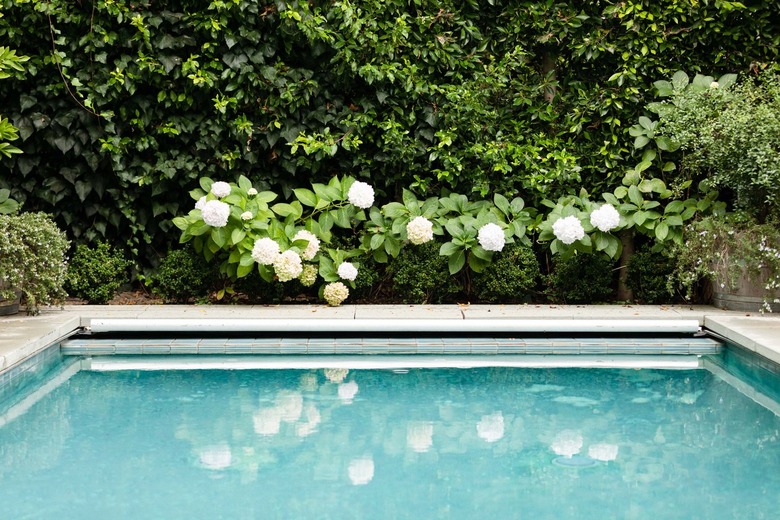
126, 103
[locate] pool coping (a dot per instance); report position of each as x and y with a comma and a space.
23, 336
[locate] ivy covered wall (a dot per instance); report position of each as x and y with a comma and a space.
126, 103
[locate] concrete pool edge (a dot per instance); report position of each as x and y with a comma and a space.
22, 336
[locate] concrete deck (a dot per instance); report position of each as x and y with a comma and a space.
22, 336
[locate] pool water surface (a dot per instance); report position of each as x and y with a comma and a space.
417, 443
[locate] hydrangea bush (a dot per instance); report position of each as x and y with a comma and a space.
245, 229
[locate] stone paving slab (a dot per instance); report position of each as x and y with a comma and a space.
21, 336
761, 334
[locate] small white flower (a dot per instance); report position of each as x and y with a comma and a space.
215, 213
605, 218
335, 293
288, 266
220, 189
308, 275
265, 251
714, 84
491, 237
361, 195
247, 215
201, 202
419, 230
568, 229
251, 192
312, 248
347, 271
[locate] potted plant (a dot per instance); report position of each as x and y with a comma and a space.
728, 136
32, 260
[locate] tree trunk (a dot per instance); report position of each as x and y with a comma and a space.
627, 242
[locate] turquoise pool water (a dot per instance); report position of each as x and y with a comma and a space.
445, 443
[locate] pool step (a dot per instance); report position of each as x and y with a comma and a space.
367, 346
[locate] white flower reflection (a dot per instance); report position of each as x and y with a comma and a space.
216, 457
288, 407
603, 452
267, 421
491, 427
567, 443
348, 391
336, 375
313, 419
419, 436
361, 471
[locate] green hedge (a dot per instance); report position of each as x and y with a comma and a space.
125, 104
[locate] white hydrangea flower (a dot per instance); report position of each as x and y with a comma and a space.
215, 213
335, 293
714, 84
491, 237
308, 275
347, 271
605, 218
201, 202
288, 266
568, 229
251, 192
220, 189
312, 248
419, 230
265, 251
361, 195
247, 215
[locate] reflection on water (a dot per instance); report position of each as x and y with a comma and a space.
433, 441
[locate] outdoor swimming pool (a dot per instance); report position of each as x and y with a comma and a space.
417, 443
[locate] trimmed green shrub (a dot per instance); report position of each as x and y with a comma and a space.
420, 275
96, 273
183, 276
648, 276
510, 277
581, 278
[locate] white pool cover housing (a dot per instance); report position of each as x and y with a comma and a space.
327, 325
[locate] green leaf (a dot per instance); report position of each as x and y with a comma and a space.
666, 144
243, 270
237, 235
661, 231
680, 80
635, 196
377, 241
676, 206
456, 262
392, 246
219, 236
306, 197
283, 209
449, 249
502, 203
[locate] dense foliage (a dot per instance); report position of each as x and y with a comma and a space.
95, 273
126, 104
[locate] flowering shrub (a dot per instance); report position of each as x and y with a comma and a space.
241, 228
32, 259
247, 230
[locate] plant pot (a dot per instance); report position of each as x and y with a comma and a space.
746, 294
8, 307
